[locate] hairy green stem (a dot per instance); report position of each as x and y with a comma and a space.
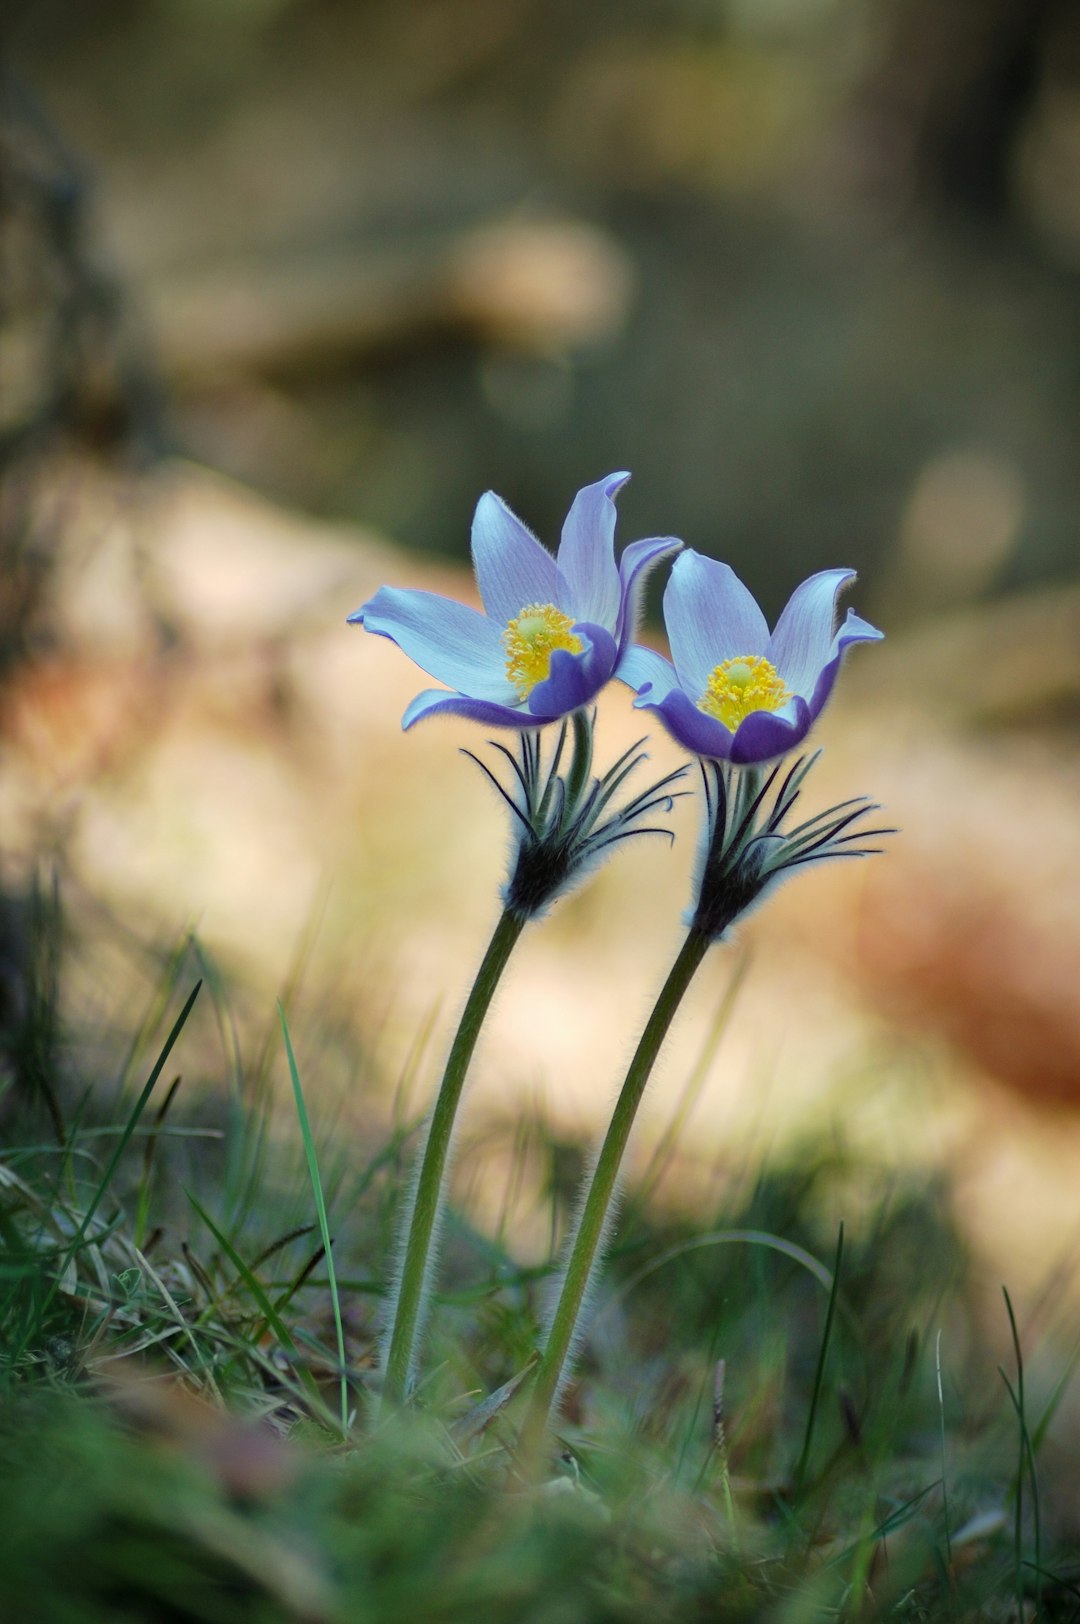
581, 764
428, 1191
594, 1214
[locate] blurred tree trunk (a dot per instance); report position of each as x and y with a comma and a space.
951, 92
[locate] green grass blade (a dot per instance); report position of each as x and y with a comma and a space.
121, 1146
941, 1441
1027, 1458
261, 1296
819, 1374
717, 1237
142, 1200
302, 1279
133, 1119
1054, 1400
320, 1208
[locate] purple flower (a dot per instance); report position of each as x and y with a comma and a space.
736, 693
554, 631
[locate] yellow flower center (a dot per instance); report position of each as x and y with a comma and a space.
737, 687
530, 640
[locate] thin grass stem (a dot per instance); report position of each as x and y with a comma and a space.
261, 1297
1027, 1457
941, 1440
819, 1374
106, 1179
320, 1208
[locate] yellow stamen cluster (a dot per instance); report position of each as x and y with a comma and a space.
737, 687
530, 640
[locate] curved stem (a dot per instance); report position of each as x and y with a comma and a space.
428, 1191
593, 1220
581, 763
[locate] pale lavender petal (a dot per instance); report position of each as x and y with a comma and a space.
694, 729
587, 554
710, 616
436, 701
634, 566
802, 641
512, 568
854, 630
642, 667
451, 642
574, 679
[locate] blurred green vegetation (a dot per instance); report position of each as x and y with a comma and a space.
785, 1409
765, 1423
825, 307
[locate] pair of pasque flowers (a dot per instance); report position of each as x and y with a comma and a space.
556, 630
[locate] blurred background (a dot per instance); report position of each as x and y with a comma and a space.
807, 267
287, 283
